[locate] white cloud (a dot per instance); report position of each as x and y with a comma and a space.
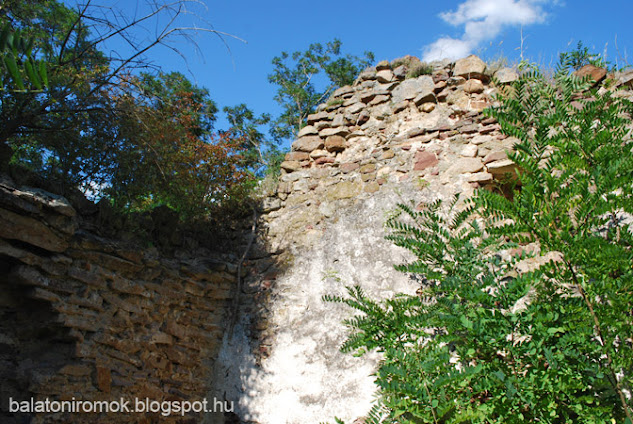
449, 48
483, 20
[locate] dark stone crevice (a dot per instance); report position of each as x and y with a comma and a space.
34, 345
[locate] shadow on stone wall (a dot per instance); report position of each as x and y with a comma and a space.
34, 344
90, 316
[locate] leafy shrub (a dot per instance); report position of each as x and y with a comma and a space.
580, 57
483, 344
419, 69
335, 102
407, 61
413, 66
83, 119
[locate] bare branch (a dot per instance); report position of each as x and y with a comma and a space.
70, 31
117, 26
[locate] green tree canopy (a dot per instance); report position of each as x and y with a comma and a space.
298, 92
167, 150
261, 151
110, 124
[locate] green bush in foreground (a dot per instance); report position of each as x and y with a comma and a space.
483, 344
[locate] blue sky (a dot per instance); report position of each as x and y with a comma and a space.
425, 29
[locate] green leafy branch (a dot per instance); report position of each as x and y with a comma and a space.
22, 72
482, 343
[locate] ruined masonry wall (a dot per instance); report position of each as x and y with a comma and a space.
392, 137
83, 317
388, 129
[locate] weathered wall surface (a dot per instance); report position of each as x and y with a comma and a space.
84, 317
302, 377
385, 140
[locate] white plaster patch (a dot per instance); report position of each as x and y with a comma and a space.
306, 379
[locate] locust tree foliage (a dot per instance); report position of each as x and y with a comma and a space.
481, 343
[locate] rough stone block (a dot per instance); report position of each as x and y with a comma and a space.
593, 72
495, 156
324, 160
349, 167
465, 165
470, 67
29, 230
411, 88
290, 165
368, 168
344, 190
335, 143
307, 130
473, 86
308, 143
423, 160
297, 156
501, 167
506, 75
384, 76
341, 131
320, 116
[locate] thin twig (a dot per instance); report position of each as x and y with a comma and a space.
235, 305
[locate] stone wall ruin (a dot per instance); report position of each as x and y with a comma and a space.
88, 317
